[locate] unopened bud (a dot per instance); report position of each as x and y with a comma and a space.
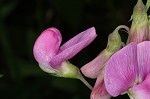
139, 27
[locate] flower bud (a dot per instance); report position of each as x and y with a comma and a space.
139, 27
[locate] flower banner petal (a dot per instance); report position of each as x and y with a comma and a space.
47, 46
121, 70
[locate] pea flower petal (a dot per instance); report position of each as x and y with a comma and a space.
143, 54
93, 68
47, 46
121, 70
142, 90
99, 91
73, 46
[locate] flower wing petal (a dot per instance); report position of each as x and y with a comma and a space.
121, 70
87, 34
99, 91
73, 46
93, 68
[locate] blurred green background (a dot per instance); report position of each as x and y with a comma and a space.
22, 21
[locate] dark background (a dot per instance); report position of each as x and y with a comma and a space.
22, 21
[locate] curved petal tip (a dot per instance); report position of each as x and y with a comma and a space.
93, 68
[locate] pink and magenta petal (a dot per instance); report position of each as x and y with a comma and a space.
73, 46
121, 70
142, 90
85, 35
143, 54
93, 68
99, 91
47, 46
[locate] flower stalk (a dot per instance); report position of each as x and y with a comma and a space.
80, 77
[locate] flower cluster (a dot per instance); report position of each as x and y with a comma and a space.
120, 68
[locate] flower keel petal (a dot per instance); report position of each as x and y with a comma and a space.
47, 46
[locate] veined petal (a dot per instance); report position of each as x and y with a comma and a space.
143, 54
114, 43
99, 91
47, 46
73, 46
93, 68
142, 90
85, 35
121, 70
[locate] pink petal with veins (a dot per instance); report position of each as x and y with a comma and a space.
93, 68
99, 91
143, 59
73, 46
121, 70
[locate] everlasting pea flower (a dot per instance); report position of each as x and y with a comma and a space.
128, 71
99, 91
53, 59
139, 28
95, 68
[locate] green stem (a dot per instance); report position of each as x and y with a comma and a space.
68, 70
85, 82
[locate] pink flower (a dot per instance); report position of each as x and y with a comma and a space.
52, 58
128, 71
